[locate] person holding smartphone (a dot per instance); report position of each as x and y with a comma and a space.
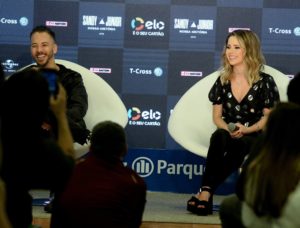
30, 160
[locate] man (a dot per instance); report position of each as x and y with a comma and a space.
43, 50
102, 192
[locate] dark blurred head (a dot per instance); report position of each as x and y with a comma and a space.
293, 90
282, 130
24, 100
108, 141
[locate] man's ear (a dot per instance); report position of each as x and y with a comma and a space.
55, 48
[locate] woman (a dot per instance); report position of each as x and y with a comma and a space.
242, 97
275, 172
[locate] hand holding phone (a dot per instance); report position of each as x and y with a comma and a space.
51, 76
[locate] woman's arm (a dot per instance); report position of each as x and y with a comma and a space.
217, 117
220, 123
258, 126
243, 130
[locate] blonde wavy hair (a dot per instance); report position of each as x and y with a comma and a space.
254, 58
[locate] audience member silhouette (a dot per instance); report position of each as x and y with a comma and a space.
4, 222
102, 192
280, 204
29, 160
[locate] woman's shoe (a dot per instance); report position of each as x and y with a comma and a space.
205, 207
192, 204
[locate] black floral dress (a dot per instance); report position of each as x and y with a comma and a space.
263, 94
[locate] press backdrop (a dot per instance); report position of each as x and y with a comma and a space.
151, 52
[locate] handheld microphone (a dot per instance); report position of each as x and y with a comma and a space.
232, 127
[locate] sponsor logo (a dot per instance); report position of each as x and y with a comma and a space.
138, 24
10, 66
102, 24
191, 73
193, 27
23, 21
233, 29
4, 20
89, 20
285, 31
157, 71
297, 31
141, 27
57, 23
280, 31
145, 167
143, 118
101, 70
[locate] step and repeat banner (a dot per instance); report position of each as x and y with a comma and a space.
151, 52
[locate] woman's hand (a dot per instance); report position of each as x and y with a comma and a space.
240, 132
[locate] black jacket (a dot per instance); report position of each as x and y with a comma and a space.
77, 102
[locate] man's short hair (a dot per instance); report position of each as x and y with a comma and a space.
108, 140
293, 90
43, 28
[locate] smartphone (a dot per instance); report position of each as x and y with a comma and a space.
51, 76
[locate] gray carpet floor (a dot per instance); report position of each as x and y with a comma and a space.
160, 207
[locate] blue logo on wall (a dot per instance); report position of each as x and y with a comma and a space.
23, 21
158, 72
297, 31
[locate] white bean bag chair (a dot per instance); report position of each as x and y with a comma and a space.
103, 102
191, 123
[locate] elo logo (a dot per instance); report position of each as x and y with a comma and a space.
137, 24
134, 113
143, 166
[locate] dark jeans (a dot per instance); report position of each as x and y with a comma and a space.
231, 212
225, 155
